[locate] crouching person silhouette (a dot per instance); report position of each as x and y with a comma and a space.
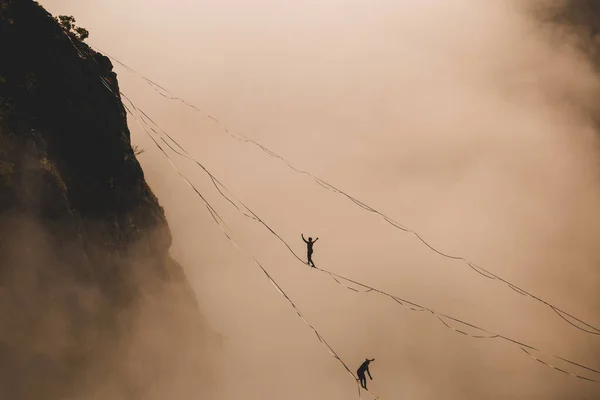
364, 367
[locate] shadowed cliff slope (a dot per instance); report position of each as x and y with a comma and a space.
91, 303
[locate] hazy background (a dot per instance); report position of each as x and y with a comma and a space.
465, 120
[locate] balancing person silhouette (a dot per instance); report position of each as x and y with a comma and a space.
309, 249
364, 367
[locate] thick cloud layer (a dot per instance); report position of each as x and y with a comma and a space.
469, 121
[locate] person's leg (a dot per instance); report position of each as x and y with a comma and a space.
310, 261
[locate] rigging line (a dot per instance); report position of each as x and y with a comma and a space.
479, 272
371, 289
492, 335
216, 183
163, 131
579, 365
80, 54
592, 329
439, 317
518, 291
253, 215
490, 275
434, 249
560, 313
376, 397
240, 201
213, 212
319, 336
558, 369
397, 299
152, 84
211, 178
423, 308
185, 154
211, 209
273, 282
393, 297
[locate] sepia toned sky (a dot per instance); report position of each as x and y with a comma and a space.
465, 120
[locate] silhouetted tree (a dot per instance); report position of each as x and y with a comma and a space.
82, 33
68, 22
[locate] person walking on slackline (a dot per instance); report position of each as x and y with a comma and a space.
309, 249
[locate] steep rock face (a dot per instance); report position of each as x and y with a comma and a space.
91, 304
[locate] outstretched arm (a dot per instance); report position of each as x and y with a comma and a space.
316, 239
302, 234
369, 372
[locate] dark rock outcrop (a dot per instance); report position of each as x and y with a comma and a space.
91, 303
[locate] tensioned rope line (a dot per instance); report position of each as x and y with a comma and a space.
566, 316
405, 303
220, 221
478, 269
410, 306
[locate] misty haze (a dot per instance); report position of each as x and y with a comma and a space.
161, 178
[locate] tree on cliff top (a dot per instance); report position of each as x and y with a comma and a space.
68, 22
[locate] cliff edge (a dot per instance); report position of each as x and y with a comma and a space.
91, 303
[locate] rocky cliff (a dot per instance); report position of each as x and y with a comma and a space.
91, 303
